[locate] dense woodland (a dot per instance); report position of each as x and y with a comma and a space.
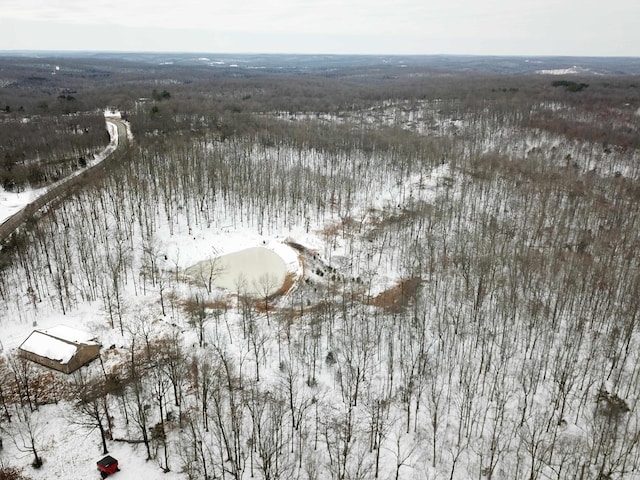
470, 307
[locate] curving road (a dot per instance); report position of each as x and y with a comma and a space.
59, 189
121, 136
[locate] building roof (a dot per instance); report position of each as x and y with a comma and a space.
69, 334
107, 461
59, 343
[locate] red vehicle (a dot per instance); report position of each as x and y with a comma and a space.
108, 466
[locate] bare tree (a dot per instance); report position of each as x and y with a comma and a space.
89, 406
269, 438
404, 450
227, 415
197, 315
28, 433
266, 285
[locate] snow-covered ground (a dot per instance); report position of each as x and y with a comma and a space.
70, 451
11, 202
457, 368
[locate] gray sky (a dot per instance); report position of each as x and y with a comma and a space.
481, 27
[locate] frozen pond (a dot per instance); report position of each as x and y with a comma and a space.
254, 271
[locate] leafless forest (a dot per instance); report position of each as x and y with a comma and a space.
471, 308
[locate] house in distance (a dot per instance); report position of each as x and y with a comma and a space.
62, 348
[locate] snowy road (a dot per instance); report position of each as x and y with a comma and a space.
16, 207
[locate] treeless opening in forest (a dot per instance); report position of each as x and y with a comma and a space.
255, 272
397, 297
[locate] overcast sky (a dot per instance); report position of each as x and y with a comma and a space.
481, 27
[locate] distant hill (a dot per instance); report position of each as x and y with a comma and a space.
326, 63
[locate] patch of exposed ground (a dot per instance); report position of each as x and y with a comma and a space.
287, 285
381, 221
322, 279
398, 297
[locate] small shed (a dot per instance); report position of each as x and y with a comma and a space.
62, 348
108, 466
